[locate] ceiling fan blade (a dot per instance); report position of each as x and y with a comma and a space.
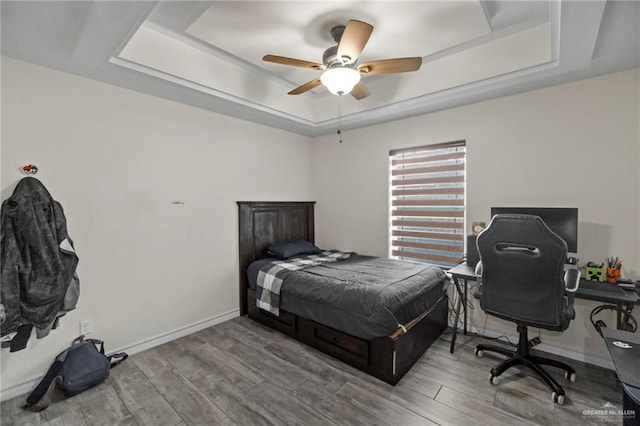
390, 66
354, 38
360, 91
306, 87
293, 62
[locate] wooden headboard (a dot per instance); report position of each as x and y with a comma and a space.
264, 222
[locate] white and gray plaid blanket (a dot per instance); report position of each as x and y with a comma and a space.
270, 277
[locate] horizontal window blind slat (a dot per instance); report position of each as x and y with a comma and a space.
418, 149
426, 191
438, 202
426, 246
431, 235
428, 224
423, 181
427, 159
428, 169
428, 213
423, 256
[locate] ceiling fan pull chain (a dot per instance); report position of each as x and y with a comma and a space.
339, 120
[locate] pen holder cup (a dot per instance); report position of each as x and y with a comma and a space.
613, 275
594, 274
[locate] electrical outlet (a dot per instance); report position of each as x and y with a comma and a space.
85, 327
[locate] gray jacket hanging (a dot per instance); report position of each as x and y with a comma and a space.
38, 262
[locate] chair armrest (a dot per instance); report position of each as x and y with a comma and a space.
478, 271
571, 283
571, 280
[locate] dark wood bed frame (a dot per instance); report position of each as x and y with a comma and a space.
387, 358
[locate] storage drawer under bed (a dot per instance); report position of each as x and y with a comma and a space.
343, 345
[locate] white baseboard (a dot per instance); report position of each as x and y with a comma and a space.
26, 386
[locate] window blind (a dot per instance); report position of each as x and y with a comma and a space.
427, 204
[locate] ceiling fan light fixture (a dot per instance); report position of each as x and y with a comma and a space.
341, 80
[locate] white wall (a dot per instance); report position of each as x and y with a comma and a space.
117, 160
571, 145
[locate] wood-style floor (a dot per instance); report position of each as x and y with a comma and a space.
240, 372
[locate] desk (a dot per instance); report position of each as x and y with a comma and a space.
464, 273
589, 290
608, 293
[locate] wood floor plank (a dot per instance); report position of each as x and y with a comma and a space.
287, 407
334, 407
572, 413
249, 337
219, 363
216, 337
385, 409
11, 414
63, 413
435, 411
190, 365
101, 405
524, 405
470, 386
241, 407
266, 365
185, 398
141, 398
477, 369
318, 372
419, 383
483, 412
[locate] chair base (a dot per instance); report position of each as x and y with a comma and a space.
523, 357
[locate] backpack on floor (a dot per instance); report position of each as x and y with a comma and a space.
76, 369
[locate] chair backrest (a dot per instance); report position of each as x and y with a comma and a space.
522, 271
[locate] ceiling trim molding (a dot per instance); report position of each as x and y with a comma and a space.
219, 53
206, 89
448, 98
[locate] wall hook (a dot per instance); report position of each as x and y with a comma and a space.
29, 169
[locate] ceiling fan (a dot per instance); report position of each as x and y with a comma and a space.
341, 73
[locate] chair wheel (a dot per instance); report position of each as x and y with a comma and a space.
558, 399
570, 376
478, 353
493, 379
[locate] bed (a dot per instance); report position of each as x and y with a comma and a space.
388, 356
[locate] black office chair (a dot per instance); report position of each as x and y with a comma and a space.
523, 281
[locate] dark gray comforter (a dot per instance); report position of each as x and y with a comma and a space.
363, 296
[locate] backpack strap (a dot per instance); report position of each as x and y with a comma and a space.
114, 359
40, 397
99, 344
117, 358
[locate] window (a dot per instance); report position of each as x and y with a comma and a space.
427, 186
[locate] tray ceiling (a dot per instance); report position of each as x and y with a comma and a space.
209, 54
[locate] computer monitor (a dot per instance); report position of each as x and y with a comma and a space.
561, 220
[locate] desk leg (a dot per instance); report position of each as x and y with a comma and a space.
619, 319
454, 332
623, 318
465, 307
